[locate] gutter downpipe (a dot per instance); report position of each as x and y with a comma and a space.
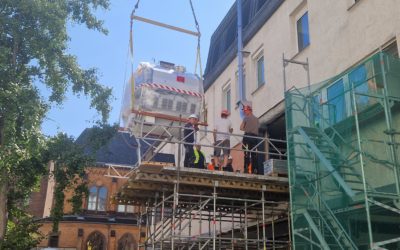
241, 98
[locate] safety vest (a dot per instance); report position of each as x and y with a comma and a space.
197, 156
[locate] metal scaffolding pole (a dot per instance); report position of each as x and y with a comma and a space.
200, 221
162, 220
263, 215
173, 217
273, 228
148, 232
361, 156
258, 231
220, 229
140, 227
245, 225
153, 220
233, 226
214, 212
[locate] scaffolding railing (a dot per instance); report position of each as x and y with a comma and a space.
152, 138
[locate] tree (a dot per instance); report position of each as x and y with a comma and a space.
33, 52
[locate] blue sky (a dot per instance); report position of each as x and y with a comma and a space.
109, 54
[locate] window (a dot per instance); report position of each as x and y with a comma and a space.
303, 36
260, 72
336, 102
97, 198
227, 97
125, 209
358, 79
181, 107
166, 104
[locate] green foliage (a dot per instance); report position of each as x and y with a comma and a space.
24, 179
22, 231
99, 135
34, 56
70, 164
80, 192
34, 48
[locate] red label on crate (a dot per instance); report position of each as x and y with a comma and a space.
180, 79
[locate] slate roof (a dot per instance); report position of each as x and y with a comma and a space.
120, 149
223, 44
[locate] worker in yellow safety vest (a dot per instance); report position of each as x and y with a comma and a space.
199, 158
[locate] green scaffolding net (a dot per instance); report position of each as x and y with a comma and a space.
343, 153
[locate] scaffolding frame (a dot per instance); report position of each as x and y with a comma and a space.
335, 159
210, 210
186, 208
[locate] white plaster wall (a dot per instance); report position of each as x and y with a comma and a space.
341, 34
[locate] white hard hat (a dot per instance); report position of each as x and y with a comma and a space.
193, 116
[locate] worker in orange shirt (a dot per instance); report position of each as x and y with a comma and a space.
211, 165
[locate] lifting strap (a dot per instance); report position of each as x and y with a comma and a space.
198, 34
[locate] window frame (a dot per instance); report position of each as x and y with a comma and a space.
263, 82
227, 104
97, 199
298, 33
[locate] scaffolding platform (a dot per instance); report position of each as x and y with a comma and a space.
151, 178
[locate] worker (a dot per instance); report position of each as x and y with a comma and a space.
250, 126
189, 134
199, 158
228, 167
211, 165
222, 128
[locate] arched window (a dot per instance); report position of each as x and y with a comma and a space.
95, 241
97, 198
126, 242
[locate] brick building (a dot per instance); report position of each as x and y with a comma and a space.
102, 224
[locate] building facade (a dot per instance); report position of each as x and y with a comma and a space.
332, 36
323, 75
103, 223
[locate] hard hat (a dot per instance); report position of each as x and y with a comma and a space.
247, 108
193, 116
225, 112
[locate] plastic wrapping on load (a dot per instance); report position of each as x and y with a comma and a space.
162, 89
